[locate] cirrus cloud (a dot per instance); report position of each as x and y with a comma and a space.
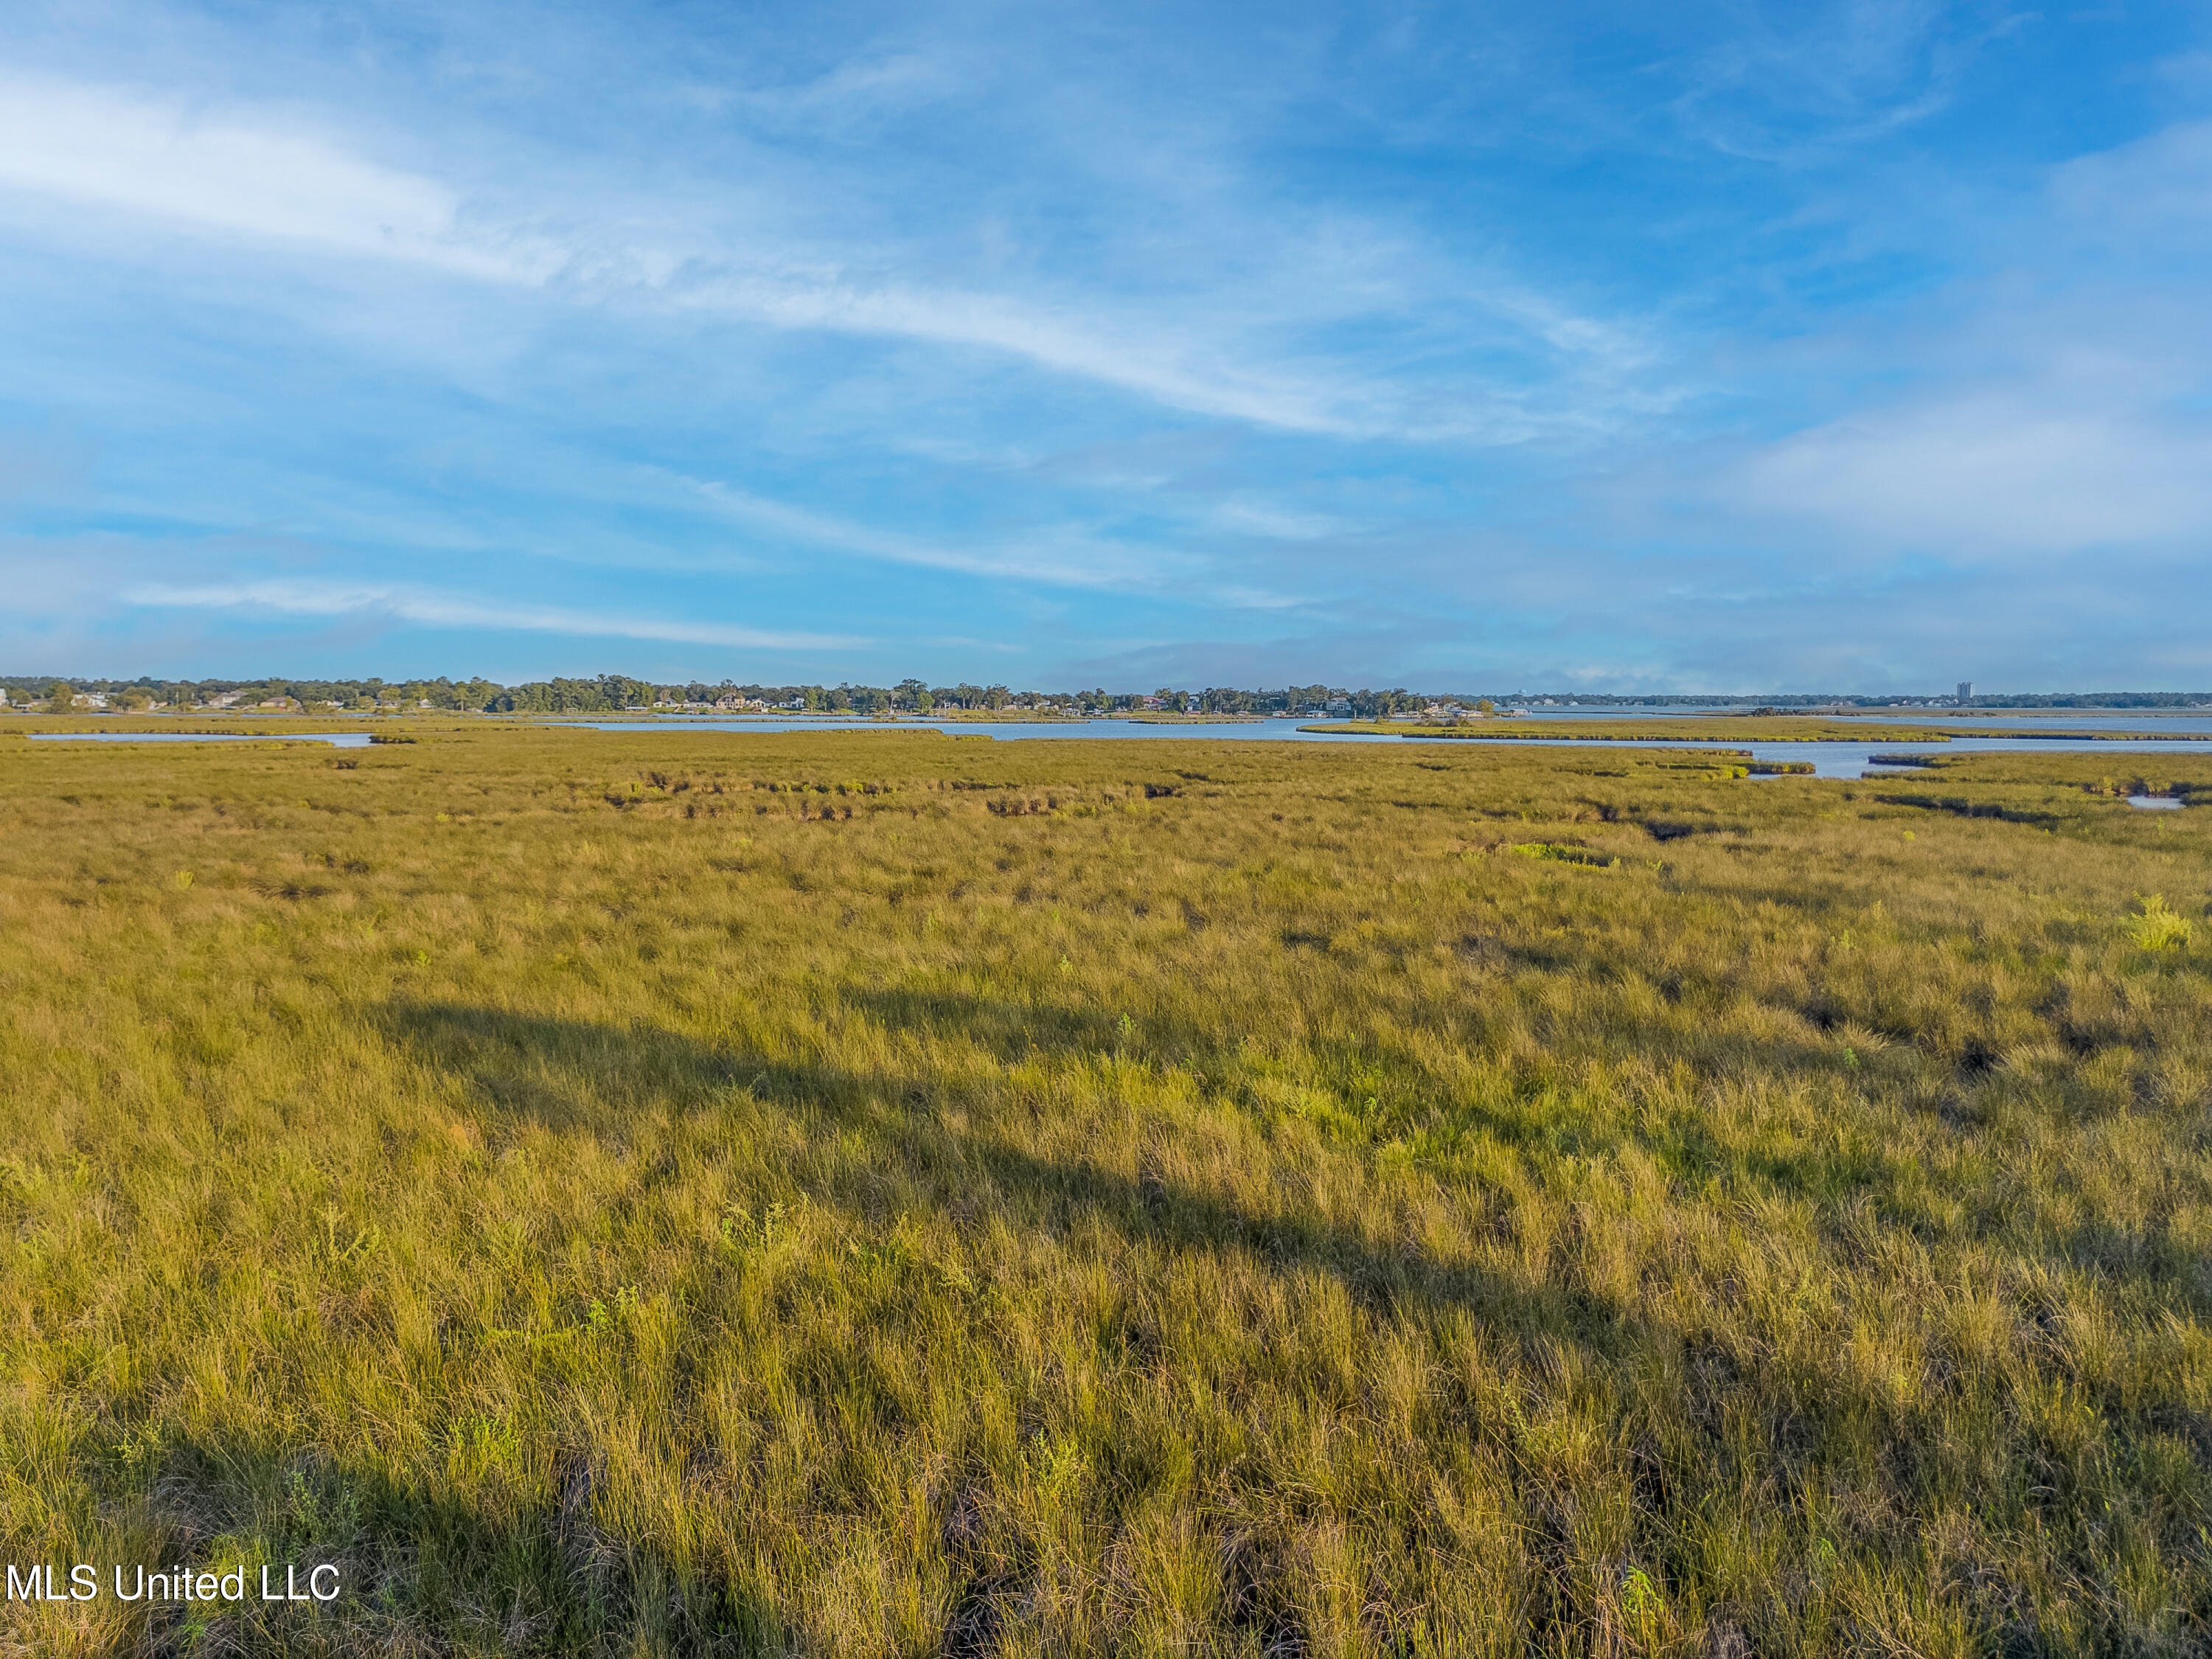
440, 609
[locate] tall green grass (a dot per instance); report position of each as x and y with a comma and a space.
671, 1192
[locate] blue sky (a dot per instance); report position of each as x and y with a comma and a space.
1603, 346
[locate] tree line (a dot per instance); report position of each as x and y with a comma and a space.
614, 692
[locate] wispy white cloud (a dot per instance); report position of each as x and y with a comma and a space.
1061, 555
2158, 190
240, 172
159, 157
236, 171
1982, 477
847, 95
1203, 380
1815, 78
2030, 420
439, 609
1246, 514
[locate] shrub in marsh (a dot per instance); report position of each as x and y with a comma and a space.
1558, 853
2157, 927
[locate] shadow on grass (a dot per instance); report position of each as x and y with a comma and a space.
416, 1572
580, 1077
584, 1078
438, 1574
1534, 1116
573, 1075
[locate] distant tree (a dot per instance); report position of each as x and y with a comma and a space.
61, 699
551, 697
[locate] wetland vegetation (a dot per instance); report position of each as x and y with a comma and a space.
896, 1194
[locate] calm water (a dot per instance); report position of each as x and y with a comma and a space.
2071, 721
1830, 760
335, 739
2065, 720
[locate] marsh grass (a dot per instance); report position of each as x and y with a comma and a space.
889, 1194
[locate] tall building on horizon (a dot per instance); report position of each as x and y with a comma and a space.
1966, 692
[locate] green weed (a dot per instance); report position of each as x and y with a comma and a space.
2157, 927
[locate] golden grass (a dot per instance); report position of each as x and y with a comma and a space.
888, 1194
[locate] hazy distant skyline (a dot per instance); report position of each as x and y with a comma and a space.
1621, 348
